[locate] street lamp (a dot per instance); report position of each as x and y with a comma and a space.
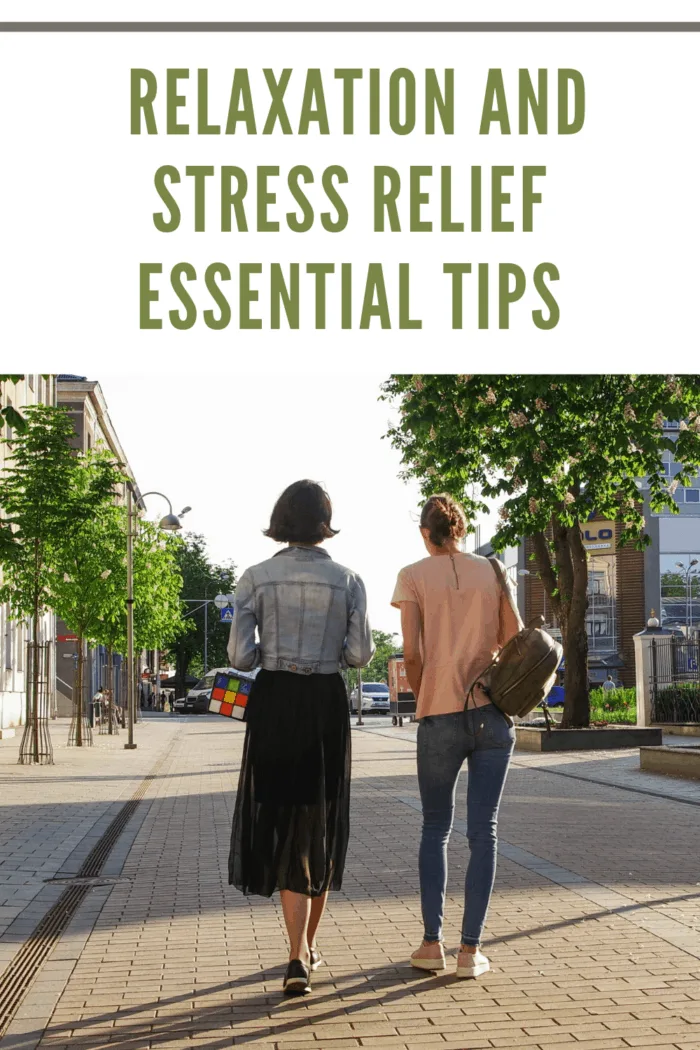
170, 523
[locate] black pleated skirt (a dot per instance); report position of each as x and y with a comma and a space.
291, 819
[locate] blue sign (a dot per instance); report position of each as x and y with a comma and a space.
227, 615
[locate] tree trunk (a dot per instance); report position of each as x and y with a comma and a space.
577, 713
78, 693
565, 579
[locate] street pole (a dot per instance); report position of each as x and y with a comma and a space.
206, 651
130, 616
360, 720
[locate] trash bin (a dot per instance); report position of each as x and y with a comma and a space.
402, 702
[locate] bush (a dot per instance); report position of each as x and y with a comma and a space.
617, 706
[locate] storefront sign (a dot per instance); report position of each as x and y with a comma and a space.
599, 535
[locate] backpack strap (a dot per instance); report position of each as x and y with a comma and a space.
501, 577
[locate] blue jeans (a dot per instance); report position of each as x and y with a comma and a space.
483, 737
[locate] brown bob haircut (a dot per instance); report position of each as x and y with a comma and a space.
302, 514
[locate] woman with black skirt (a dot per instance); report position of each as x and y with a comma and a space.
291, 820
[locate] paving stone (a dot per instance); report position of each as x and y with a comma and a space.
592, 931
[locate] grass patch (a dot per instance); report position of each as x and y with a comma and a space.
617, 706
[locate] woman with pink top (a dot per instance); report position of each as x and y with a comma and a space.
454, 618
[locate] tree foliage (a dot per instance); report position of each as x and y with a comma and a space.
378, 669
201, 579
44, 506
9, 414
555, 449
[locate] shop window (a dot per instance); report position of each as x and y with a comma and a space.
7, 640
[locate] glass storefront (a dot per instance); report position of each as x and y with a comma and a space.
680, 591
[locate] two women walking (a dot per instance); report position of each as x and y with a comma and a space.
302, 618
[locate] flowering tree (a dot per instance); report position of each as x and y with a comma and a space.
556, 449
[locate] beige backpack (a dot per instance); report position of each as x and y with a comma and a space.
523, 672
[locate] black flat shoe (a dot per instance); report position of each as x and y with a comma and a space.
316, 959
296, 979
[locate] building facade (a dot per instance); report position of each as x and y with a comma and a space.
15, 633
85, 403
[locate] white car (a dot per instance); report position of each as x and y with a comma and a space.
197, 699
375, 697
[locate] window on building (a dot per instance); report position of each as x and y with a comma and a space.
601, 618
680, 590
21, 642
692, 495
7, 640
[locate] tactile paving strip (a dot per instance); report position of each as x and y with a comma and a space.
17, 978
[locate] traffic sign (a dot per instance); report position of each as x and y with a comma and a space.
227, 615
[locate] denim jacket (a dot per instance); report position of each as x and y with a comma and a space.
310, 612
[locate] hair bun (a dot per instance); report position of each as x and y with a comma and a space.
444, 519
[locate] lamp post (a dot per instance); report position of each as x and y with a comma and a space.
170, 523
687, 572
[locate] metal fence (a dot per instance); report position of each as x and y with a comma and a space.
675, 680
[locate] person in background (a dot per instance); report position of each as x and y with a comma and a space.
97, 702
291, 819
454, 618
609, 684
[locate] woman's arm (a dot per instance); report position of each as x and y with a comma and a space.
243, 653
359, 646
411, 629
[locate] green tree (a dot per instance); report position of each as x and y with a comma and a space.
202, 579
555, 449
157, 585
85, 591
9, 414
377, 670
43, 505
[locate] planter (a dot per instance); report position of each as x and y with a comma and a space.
673, 761
529, 738
680, 728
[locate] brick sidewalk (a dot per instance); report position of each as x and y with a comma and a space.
593, 931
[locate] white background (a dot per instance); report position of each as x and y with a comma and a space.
243, 413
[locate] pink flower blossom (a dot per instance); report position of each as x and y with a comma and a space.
629, 413
533, 505
541, 405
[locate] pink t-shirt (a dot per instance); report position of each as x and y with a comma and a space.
465, 617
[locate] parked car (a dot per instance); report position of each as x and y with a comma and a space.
375, 697
198, 697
